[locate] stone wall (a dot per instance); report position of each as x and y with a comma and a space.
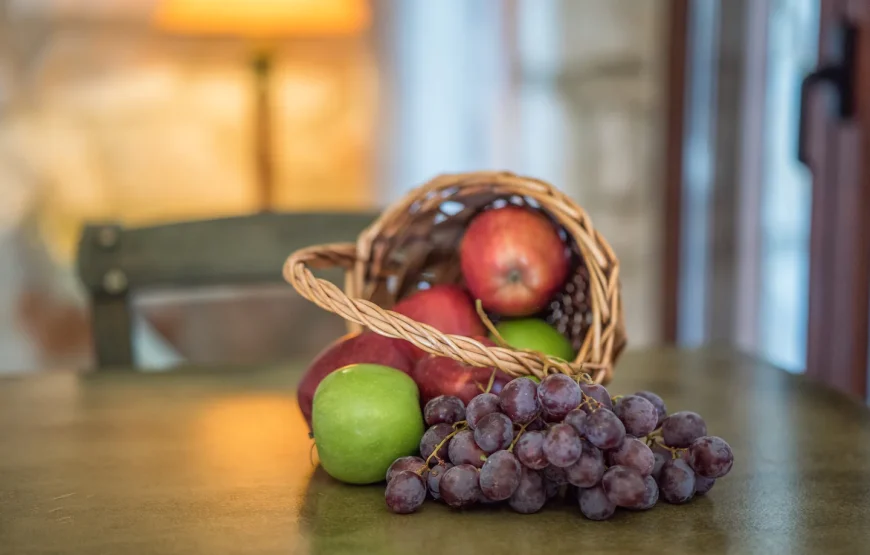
614, 56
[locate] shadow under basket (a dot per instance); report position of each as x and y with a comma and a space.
415, 244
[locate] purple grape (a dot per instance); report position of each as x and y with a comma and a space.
550, 418
595, 505
405, 492
624, 486
682, 428
597, 393
661, 459
657, 402
529, 449
703, 485
555, 474
435, 476
500, 475
407, 463
635, 454
459, 486
480, 406
677, 482
537, 425
494, 431
558, 394
464, 450
562, 445
587, 471
444, 409
637, 414
529, 496
519, 400
603, 429
662, 455
576, 418
552, 489
711, 457
650, 494
432, 438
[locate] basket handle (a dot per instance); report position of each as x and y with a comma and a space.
392, 324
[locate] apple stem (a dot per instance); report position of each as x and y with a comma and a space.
311, 452
491, 381
496, 336
499, 340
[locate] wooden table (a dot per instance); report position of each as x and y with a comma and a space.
218, 462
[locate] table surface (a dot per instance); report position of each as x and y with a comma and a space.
218, 461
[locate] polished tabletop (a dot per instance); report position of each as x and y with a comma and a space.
218, 461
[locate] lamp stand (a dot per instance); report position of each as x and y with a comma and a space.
262, 65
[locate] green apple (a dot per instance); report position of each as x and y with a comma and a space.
364, 417
535, 335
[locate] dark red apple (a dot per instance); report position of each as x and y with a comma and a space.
447, 308
437, 375
367, 347
513, 260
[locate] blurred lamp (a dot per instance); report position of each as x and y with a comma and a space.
263, 23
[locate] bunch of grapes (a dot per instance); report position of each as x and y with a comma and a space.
562, 437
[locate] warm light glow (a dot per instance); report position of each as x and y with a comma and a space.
255, 436
252, 446
263, 18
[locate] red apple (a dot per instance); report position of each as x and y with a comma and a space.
436, 375
513, 260
367, 347
446, 308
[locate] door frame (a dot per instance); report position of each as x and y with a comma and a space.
839, 308
675, 112
838, 330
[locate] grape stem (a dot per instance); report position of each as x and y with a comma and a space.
675, 451
519, 434
457, 427
588, 400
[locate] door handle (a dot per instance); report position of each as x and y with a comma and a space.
840, 76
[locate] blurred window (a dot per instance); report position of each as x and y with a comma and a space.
792, 52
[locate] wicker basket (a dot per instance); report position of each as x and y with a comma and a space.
416, 240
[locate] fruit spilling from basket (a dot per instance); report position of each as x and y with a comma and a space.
560, 438
513, 261
490, 301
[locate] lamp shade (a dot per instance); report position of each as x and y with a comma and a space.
263, 18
